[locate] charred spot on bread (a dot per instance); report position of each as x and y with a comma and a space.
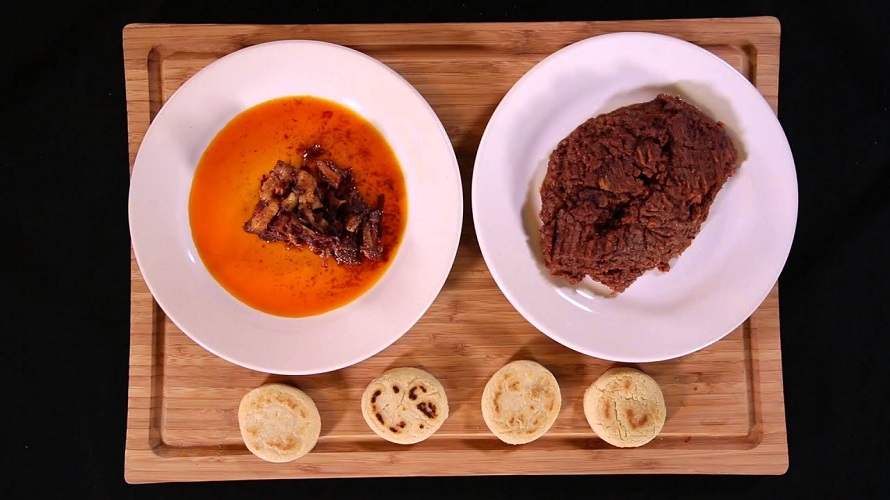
636, 421
427, 408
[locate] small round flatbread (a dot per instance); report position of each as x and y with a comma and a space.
521, 402
625, 407
279, 423
405, 405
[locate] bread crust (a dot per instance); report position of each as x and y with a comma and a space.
521, 401
625, 407
278, 422
405, 405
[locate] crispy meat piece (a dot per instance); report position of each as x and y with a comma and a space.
272, 188
330, 172
371, 248
263, 214
307, 191
318, 206
353, 222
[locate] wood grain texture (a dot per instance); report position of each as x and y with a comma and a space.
725, 403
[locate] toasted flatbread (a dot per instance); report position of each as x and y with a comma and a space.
625, 407
405, 405
521, 402
278, 423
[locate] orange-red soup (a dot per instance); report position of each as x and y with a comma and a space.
269, 276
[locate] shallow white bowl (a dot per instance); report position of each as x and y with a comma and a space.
161, 182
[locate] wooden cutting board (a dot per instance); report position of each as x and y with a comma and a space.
725, 403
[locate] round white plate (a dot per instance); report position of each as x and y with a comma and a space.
161, 182
731, 265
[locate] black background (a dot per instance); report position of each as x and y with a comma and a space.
66, 273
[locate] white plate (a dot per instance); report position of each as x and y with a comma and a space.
161, 181
731, 265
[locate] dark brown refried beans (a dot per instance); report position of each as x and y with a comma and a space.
627, 191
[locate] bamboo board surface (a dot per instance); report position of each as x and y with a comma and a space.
725, 403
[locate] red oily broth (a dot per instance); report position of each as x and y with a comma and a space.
269, 276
